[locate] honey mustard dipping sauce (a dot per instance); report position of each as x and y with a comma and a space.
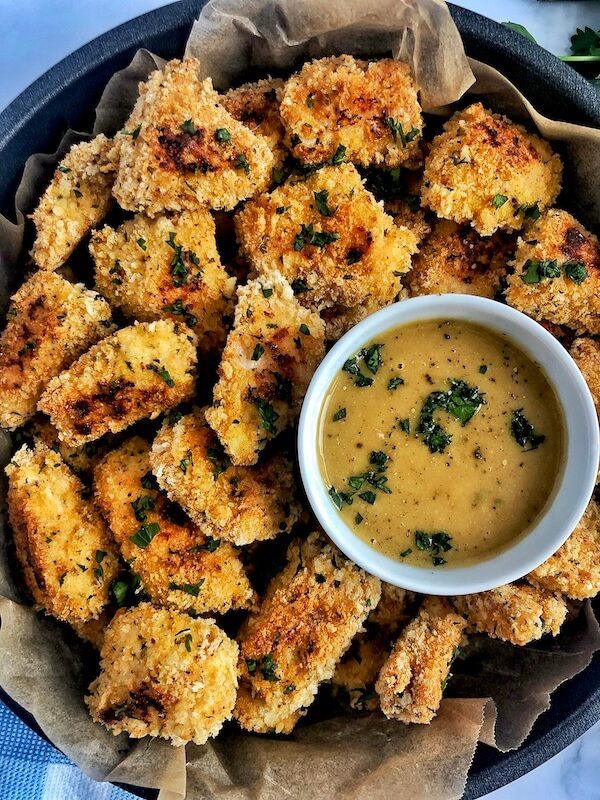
440, 443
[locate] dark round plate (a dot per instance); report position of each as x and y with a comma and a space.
66, 96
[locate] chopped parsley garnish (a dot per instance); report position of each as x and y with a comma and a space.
499, 200
379, 459
134, 133
529, 211
269, 669
456, 160
368, 497
179, 310
436, 542
299, 286
178, 268
188, 588
320, 578
353, 256
188, 127
77, 193
282, 209
241, 162
406, 552
461, 401
336, 497
534, 271
219, 459
268, 415
251, 665
404, 425
304, 329
257, 352
186, 462
341, 414
210, 545
162, 373
173, 417
278, 177
372, 360
146, 533
523, 431
99, 570
148, 481
310, 102
222, 135
267, 292
295, 140
321, 201
290, 688
308, 235
483, 369
575, 271
339, 156
358, 518
142, 243
396, 128
63, 169
394, 383
141, 506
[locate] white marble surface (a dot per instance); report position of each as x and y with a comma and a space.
35, 34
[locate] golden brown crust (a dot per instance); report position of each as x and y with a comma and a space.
65, 549
256, 105
76, 200
307, 621
164, 674
138, 372
180, 149
240, 504
50, 323
486, 170
370, 108
353, 681
586, 354
563, 245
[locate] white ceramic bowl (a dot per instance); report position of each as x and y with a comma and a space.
573, 487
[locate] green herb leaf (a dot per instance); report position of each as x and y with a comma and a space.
379, 458
406, 552
188, 127
498, 200
268, 415
335, 496
134, 133
404, 425
321, 202
267, 292
372, 358
142, 243
277, 176
483, 369
575, 271
222, 135
186, 462
320, 578
210, 545
141, 506
251, 665
257, 352
358, 518
514, 26
523, 431
368, 497
341, 414
290, 688
396, 128
219, 458
145, 534
339, 156
585, 42
394, 383
304, 329
188, 588
148, 481
353, 256
241, 162
162, 373
534, 271
269, 669
299, 286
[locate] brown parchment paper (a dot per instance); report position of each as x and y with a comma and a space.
345, 757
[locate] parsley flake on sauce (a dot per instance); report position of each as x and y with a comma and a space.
435, 542
341, 414
523, 431
395, 383
460, 401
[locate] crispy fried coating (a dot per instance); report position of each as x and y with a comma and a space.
369, 108
164, 674
50, 323
353, 681
180, 149
486, 170
339, 319
455, 259
307, 621
586, 354
138, 372
574, 569
412, 681
180, 567
329, 237
240, 504
395, 608
557, 273
272, 351
93, 630
167, 267
515, 613
77, 199
256, 105
66, 552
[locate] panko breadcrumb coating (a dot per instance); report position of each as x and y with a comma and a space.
455, 259
486, 170
93, 630
412, 681
256, 105
395, 608
76, 200
66, 552
50, 323
239, 504
515, 613
180, 149
586, 354
339, 319
369, 108
272, 351
180, 567
557, 273
574, 569
329, 237
353, 681
167, 267
136, 373
164, 674
305, 625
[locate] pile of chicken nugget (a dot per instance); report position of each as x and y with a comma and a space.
234, 237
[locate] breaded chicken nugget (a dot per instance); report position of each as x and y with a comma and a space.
396, 607
339, 319
574, 569
455, 259
93, 630
64, 547
586, 354
557, 273
516, 613
167, 267
368, 109
242, 504
329, 237
271, 354
486, 170
50, 323
180, 567
181, 149
305, 625
164, 674
353, 681
137, 372
256, 105
76, 200
412, 681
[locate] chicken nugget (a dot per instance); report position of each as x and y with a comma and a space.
164, 674
76, 200
256, 105
412, 681
515, 612
65, 550
241, 504
305, 625
180, 566
329, 238
181, 149
557, 273
138, 372
396, 607
167, 267
574, 569
271, 354
50, 323
367, 112
486, 170
455, 259
586, 354
353, 681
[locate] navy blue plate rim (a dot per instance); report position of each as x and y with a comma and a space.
66, 95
